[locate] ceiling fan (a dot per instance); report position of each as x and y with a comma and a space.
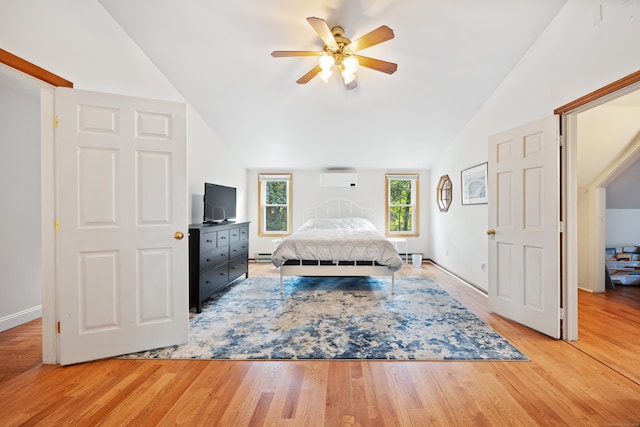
340, 52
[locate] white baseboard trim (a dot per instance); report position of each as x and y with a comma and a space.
20, 318
466, 282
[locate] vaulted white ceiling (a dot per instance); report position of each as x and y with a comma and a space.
451, 55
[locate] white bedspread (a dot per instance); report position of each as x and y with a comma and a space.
338, 239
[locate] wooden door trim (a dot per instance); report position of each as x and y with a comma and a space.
33, 70
597, 94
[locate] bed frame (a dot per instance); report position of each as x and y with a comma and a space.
336, 208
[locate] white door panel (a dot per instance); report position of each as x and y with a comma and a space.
122, 280
524, 200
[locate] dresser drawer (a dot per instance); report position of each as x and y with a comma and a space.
223, 238
239, 248
238, 267
244, 232
234, 234
208, 241
214, 258
213, 280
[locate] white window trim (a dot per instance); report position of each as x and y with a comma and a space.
262, 179
414, 178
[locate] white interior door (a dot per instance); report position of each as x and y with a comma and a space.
524, 206
121, 195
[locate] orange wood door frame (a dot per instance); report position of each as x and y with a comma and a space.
33, 70
597, 94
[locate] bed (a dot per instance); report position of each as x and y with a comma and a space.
337, 238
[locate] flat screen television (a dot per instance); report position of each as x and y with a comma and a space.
219, 203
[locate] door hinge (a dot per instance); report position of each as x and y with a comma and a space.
57, 122
561, 140
58, 327
561, 313
57, 224
561, 227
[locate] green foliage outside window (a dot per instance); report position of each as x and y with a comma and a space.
276, 206
400, 205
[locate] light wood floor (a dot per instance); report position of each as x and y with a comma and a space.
594, 381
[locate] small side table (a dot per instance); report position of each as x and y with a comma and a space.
399, 240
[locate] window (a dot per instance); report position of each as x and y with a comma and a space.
274, 192
402, 205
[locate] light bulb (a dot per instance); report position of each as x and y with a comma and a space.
347, 76
351, 64
326, 61
324, 75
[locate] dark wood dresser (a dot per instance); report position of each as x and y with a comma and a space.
218, 255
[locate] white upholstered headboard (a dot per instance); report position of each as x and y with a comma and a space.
340, 208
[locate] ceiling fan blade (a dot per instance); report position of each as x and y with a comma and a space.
377, 36
323, 31
311, 74
286, 53
377, 64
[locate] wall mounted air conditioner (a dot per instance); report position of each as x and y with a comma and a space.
338, 179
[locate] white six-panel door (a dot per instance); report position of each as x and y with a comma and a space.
122, 245
524, 235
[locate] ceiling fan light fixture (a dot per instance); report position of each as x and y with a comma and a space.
326, 61
351, 64
347, 76
340, 52
324, 75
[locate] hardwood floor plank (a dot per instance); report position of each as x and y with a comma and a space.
383, 399
311, 404
594, 381
209, 395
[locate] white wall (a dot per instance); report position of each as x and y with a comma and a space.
624, 191
604, 134
585, 221
210, 160
20, 275
79, 41
369, 193
573, 57
623, 228
99, 56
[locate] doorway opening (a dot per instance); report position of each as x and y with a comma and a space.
586, 268
16, 71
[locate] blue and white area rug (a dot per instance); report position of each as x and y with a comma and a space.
337, 318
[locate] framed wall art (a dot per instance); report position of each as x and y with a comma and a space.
474, 185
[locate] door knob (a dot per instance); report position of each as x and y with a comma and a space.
491, 232
178, 235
